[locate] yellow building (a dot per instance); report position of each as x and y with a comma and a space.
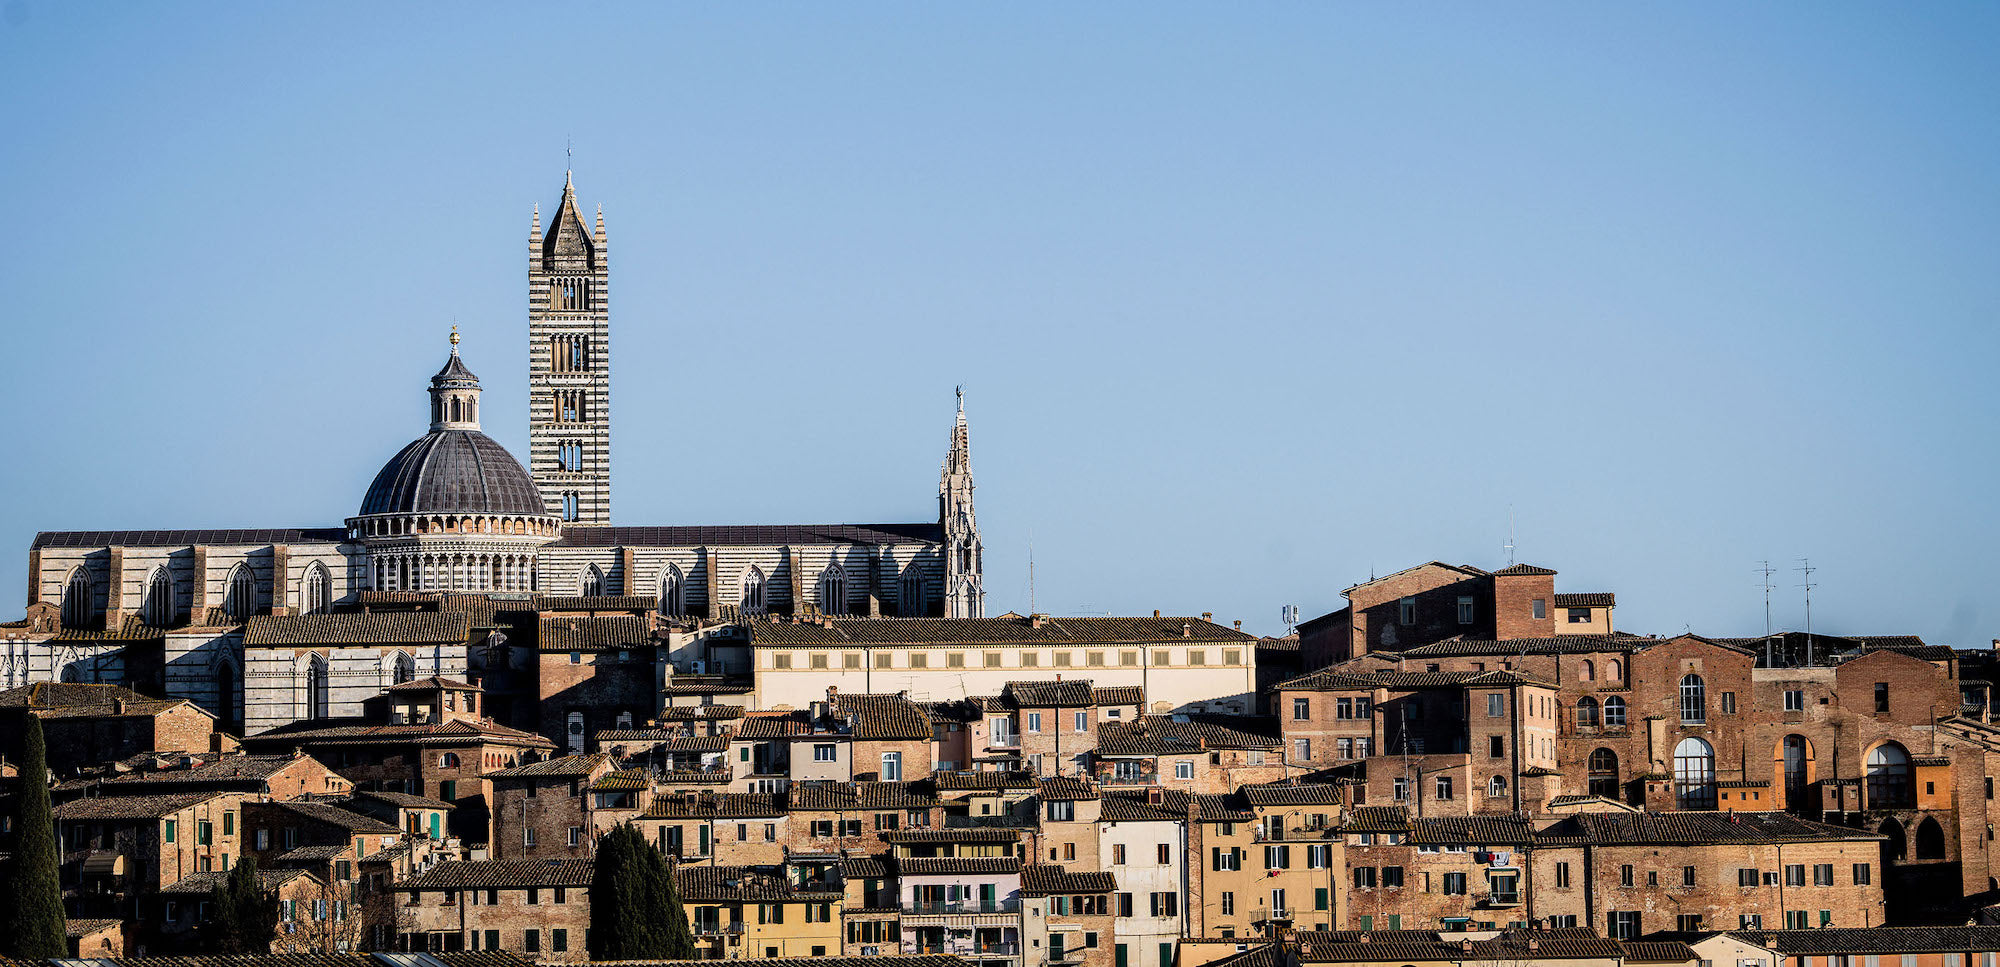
748, 912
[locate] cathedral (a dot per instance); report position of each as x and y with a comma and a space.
455, 512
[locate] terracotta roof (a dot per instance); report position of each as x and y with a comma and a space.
454, 732
892, 960
594, 602
849, 632
1173, 805
677, 713
595, 634
957, 865
206, 882
130, 807
1119, 695
1523, 569
984, 834
462, 959
78, 928
1587, 599
1472, 830
715, 805
666, 740
190, 538
57, 694
864, 868
732, 884
404, 799
1046, 879
432, 684
830, 796
381, 627
1376, 819
1510, 947
1658, 951
1688, 828
1295, 794
564, 767
1561, 645
314, 854
878, 717
860, 535
779, 725
622, 779
497, 874
225, 769
1178, 734
1064, 789
1876, 940
348, 820
1050, 694
985, 780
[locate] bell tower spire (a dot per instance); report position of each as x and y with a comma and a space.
964, 564
569, 362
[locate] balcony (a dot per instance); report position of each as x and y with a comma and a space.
982, 822
1261, 915
1498, 898
941, 907
708, 929
968, 949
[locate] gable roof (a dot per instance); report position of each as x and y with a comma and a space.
381, 627
851, 632
1691, 828
499, 874
1177, 734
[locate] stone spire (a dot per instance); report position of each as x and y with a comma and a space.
964, 564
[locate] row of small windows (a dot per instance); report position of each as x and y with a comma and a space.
569, 456
915, 658
454, 409
570, 405
571, 293
570, 354
160, 605
753, 595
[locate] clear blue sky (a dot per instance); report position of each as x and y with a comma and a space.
1248, 300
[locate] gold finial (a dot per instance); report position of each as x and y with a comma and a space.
454, 340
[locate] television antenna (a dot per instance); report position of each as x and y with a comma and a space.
1509, 546
1765, 567
1289, 614
1805, 567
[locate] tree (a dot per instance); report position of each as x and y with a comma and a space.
246, 914
32, 926
635, 910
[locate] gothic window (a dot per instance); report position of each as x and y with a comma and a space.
1930, 839
159, 607
1694, 699
833, 590
316, 688
566, 406
1589, 670
1694, 774
569, 505
913, 600
405, 669
752, 600
1889, 777
1496, 787
240, 600
1613, 670
593, 582
673, 591
1614, 713
569, 455
79, 607
1604, 773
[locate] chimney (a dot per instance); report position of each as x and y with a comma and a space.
1239, 624
1155, 796
1034, 621
1465, 945
1996, 641
1208, 616
1187, 630
1534, 944
1362, 939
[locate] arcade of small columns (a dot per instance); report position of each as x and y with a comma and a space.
505, 563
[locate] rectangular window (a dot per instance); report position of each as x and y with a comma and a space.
228, 824
954, 660
1031, 659
1392, 877
919, 659
825, 752
1225, 859
1624, 924
1165, 854
1232, 656
850, 660
819, 661
1795, 700
1444, 787
1062, 811
1541, 608
1197, 656
1302, 750
575, 835
1184, 769
167, 830
1881, 696
1823, 874
204, 833
558, 940
1579, 616
892, 766
1746, 877
1301, 710
1687, 875
1496, 705
1400, 788
1729, 703
1465, 609
1128, 658
1320, 856
531, 941
1118, 857
1795, 874
991, 659
1625, 875
1082, 721
1454, 884
884, 660
1863, 874
1562, 874
1406, 611
1688, 922
1034, 721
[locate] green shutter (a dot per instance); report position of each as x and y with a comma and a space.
1166, 955
1367, 922
170, 831
1123, 960
1319, 903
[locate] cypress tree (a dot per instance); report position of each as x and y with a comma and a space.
245, 914
635, 912
32, 926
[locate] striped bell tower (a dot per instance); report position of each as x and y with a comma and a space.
569, 363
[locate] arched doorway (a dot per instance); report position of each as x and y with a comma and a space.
1795, 765
1894, 846
1930, 840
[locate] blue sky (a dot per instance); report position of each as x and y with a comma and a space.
1249, 300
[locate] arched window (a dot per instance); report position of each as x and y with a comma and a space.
833, 590
1895, 844
406, 669
569, 505
1613, 670
1930, 839
592, 583
1797, 756
1889, 777
225, 694
1614, 713
673, 591
752, 600
448, 760
1694, 699
1586, 712
79, 607
1589, 671
239, 601
316, 596
160, 608
573, 729
1694, 774
1496, 787
1604, 773
913, 600
316, 688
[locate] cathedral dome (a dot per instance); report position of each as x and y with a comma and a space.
453, 472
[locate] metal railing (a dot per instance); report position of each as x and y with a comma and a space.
921, 907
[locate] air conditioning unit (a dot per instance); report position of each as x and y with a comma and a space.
698, 667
